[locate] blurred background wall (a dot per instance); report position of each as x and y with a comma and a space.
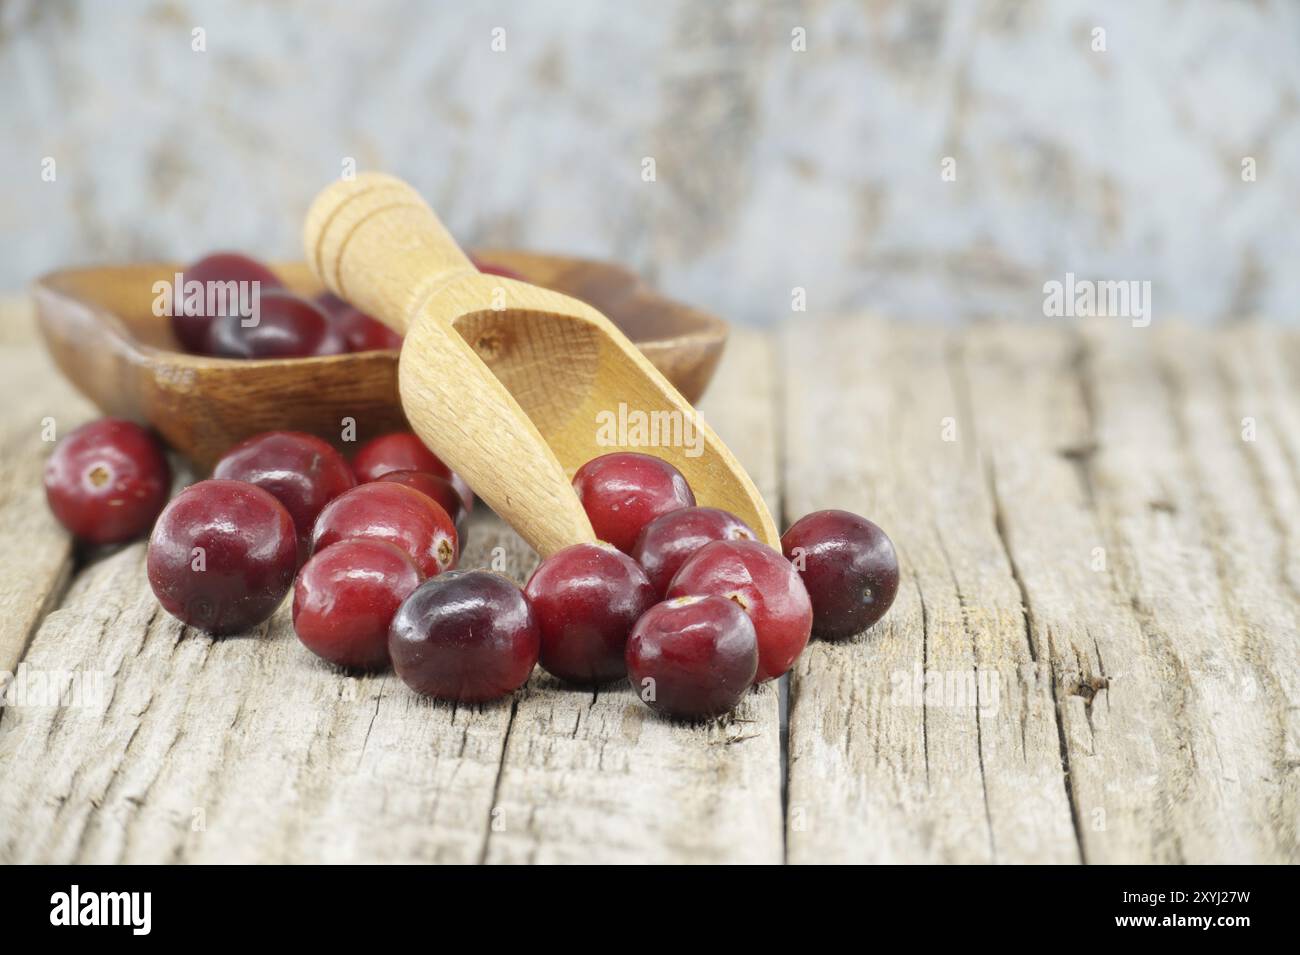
775, 168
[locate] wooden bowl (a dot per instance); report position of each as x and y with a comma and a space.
99, 325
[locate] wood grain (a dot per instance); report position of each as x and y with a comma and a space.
250, 749
36, 554
1101, 481
1193, 534
882, 768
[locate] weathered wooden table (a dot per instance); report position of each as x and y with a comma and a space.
1093, 655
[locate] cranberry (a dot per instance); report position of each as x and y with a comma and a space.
399, 451
331, 304
766, 587
222, 556
390, 512
467, 636
488, 268
363, 333
624, 491
404, 451
693, 657
288, 326
359, 330
440, 489
586, 599
193, 323
345, 598
668, 542
848, 566
302, 471
107, 481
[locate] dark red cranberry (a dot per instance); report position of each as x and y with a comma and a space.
668, 542
287, 326
440, 489
404, 451
399, 451
107, 481
624, 491
345, 598
467, 636
489, 268
302, 471
192, 323
766, 587
586, 599
331, 304
848, 566
222, 556
363, 333
394, 513
693, 657
360, 331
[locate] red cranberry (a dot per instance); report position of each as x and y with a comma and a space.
288, 326
440, 489
302, 471
766, 587
404, 451
848, 566
107, 481
693, 657
345, 598
331, 304
222, 556
467, 636
586, 599
390, 512
488, 268
399, 451
363, 333
624, 491
360, 331
668, 542
192, 323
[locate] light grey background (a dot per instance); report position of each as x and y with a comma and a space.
775, 168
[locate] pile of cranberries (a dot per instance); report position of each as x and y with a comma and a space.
683, 601
687, 601
287, 325
286, 509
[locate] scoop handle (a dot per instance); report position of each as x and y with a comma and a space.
375, 242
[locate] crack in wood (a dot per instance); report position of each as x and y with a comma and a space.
999, 524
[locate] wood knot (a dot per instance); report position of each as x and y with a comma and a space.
1079, 452
1088, 687
490, 345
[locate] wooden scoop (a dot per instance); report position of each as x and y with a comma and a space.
513, 386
